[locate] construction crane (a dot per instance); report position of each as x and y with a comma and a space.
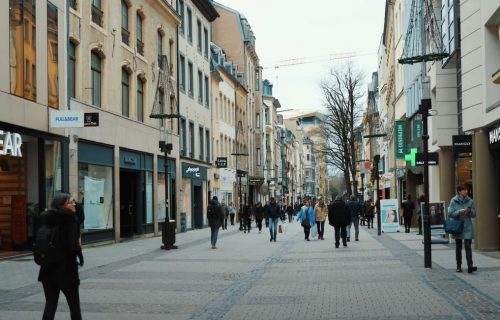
308, 60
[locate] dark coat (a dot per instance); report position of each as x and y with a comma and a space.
408, 208
355, 209
66, 273
259, 213
338, 214
216, 221
273, 211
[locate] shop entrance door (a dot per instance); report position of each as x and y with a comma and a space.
129, 209
198, 207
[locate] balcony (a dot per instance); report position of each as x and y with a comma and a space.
140, 47
97, 15
125, 36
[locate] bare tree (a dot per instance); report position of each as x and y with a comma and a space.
342, 94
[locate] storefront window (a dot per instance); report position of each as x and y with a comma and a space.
149, 197
463, 173
95, 184
53, 170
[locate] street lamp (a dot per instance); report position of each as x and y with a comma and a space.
237, 153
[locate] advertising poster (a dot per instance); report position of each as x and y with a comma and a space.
389, 215
94, 207
437, 211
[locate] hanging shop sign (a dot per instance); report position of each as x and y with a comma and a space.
221, 162
66, 119
495, 136
400, 139
417, 129
462, 143
91, 119
10, 144
432, 159
194, 172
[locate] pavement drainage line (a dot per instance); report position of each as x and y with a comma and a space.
399, 251
219, 306
32, 289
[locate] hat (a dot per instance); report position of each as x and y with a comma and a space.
214, 198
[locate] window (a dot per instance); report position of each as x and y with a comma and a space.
159, 46
140, 100
73, 4
257, 120
190, 25
205, 34
257, 80
52, 56
97, 13
191, 80
72, 70
200, 87
207, 93
138, 31
207, 142
22, 46
96, 79
202, 145
266, 116
258, 155
308, 157
191, 140
125, 32
180, 10
198, 31
182, 73
125, 93
183, 137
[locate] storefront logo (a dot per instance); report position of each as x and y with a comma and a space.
195, 171
10, 143
495, 135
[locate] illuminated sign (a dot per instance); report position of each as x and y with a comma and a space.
10, 144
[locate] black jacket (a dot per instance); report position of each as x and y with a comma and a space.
216, 221
355, 209
259, 212
273, 211
66, 273
408, 208
338, 214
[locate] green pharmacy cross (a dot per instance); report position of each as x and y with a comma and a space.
411, 156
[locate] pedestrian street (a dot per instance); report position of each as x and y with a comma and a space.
248, 277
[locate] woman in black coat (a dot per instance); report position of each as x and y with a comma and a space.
64, 275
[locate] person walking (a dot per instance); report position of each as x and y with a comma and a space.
339, 218
245, 217
62, 276
225, 212
355, 211
232, 213
273, 215
408, 208
421, 200
462, 208
321, 212
369, 212
259, 215
290, 213
306, 218
215, 218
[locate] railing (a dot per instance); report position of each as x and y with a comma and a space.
125, 36
97, 15
140, 47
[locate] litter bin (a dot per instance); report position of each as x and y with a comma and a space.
168, 235
183, 222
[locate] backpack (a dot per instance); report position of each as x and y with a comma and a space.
211, 214
47, 248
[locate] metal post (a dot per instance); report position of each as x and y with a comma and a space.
424, 110
376, 160
362, 187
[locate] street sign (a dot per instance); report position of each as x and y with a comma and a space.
221, 162
432, 159
91, 119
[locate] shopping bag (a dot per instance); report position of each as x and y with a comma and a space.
280, 229
453, 226
314, 232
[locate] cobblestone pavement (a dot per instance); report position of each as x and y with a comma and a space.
248, 277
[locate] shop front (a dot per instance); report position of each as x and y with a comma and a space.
194, 194
33, 168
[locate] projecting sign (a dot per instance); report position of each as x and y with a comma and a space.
91, 119
66, 119
10, 143
432, 159
221, 162
462, 144
400, 139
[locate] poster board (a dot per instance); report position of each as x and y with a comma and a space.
438, 215
389, 215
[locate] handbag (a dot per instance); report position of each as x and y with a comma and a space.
280, 230
453, 226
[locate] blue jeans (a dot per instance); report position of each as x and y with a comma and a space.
213, 235
273, 227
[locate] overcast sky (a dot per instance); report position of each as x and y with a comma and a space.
313, 30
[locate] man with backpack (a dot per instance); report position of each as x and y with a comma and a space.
215, 218
55, 249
